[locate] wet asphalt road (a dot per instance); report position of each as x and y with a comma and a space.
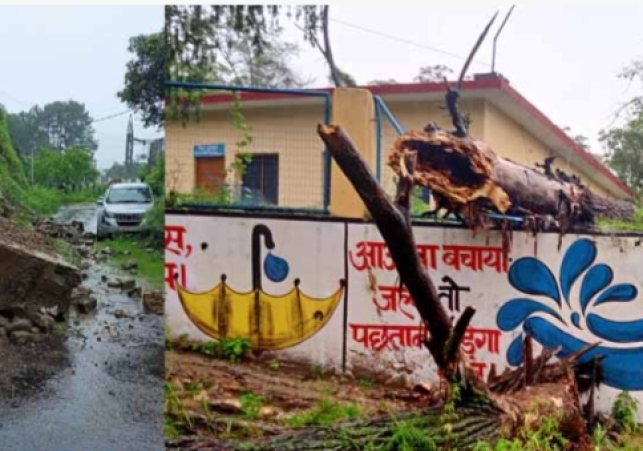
98, 388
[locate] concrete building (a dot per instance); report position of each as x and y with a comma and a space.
287, 164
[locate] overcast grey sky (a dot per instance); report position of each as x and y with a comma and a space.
50, 53
564, 59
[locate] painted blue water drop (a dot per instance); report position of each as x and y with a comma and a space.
576, 319
514, 353
578, 257
622, 292
531, 276
276, 268
516, 311
595, 280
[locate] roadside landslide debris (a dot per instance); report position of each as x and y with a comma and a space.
33, 275
153, 302
39, 286
62, 331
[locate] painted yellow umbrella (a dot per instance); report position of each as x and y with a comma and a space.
269, 322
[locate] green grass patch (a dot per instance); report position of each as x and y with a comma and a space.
85, 196
47, 201
636, 224
151, 264
42, 201
250, 405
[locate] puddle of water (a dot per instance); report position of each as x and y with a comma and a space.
102, 386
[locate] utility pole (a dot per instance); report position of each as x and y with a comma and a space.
32, 158
129, 147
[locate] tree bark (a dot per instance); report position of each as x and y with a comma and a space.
393, 226
469, 178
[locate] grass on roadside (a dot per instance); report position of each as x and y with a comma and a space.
47, 201
151, 263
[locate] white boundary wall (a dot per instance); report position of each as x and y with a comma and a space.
375, 328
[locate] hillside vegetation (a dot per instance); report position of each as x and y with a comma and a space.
13, 182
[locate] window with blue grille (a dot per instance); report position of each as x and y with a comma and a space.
261, 180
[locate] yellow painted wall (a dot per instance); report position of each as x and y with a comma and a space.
354, 110
512, 141
290, 132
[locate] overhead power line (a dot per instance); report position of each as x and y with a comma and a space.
406, 41
10, 97
112, 116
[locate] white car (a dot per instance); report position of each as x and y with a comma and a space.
123, 208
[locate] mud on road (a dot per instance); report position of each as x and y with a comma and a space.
96, 386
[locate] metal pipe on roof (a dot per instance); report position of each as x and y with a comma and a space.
495, 39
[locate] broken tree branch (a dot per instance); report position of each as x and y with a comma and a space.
393, 226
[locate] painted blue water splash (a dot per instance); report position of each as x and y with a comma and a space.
531, 276
623, 292
596, 279
516, 311
580, 255
275, 268
615, 331
576, 320
622, 367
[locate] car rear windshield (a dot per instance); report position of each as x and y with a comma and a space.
132, 195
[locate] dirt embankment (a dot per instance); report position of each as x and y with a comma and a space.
220, 399
36, 278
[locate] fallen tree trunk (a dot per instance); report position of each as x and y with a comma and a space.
468, 178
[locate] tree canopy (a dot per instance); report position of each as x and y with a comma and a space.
625, 149
144, 78
66, 170
194, 34
435, 73
624, 143
57, 125
240, 45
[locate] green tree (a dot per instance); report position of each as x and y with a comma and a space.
195, 33
433, 74
48, 168
26, 136
68, 170
144, 78
241, 63
624, 142
79, 168
625, 148
238, 61
57, 125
